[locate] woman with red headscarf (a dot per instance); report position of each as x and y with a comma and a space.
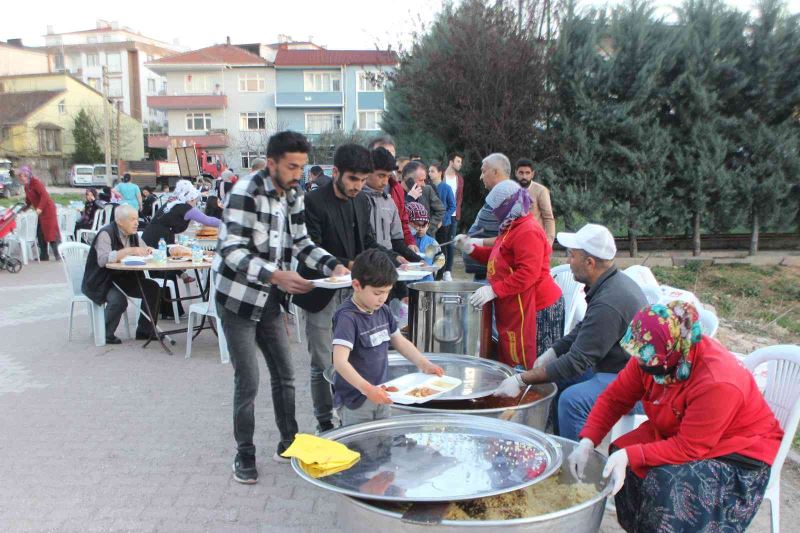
47, 228
701, 461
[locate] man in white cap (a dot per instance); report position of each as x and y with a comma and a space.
586, 360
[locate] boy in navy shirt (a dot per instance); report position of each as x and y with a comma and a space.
363, 327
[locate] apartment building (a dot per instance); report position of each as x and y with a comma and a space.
230, 98
124, 53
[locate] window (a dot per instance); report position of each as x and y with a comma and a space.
92, 39
198, 121
369, 120
151, 86
251, 82
248, 157
59, 61
74, 62
366, 83
252, 121
115, 87
194, 84
113, 62
95, 84
322, 81
164, 86
49, 140
5, 133
62, 107
149, 58
322, 122
92, 60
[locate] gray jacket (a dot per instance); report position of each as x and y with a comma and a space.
385, 221
594, 342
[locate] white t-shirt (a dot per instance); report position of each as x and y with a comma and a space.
452, 181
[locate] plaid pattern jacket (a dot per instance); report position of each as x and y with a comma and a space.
251, 246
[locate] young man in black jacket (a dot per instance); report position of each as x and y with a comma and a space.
338, 220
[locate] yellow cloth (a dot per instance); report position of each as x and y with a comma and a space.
321, 457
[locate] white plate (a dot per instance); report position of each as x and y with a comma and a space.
339, 282
409, 382
136, 259
411, 275
181, 259
411, 266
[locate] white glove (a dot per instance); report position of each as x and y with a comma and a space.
576, 461
482, 296
615, 467
547, 357
510, 387
463, 243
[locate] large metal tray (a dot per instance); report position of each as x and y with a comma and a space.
424, 458
479, 377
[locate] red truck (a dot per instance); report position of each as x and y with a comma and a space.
185, 162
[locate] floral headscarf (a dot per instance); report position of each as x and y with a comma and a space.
662, 338
184, 192
509, 202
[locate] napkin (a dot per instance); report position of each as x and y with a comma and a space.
321, 457
133, 260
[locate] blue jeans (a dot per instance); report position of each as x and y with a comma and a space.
575, 400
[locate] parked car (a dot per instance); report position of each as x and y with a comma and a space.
9, 186
81, 175
99, 175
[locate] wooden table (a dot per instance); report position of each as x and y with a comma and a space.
169, 266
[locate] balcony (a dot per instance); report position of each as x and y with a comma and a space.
188, 101
211, 140
308, 99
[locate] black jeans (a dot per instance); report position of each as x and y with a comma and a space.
116, 303
243, 335
43, 255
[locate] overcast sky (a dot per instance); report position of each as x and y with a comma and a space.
338, 24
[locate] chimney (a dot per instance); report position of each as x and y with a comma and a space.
50, 30
228, 40
114, 25
15, 42
101, 24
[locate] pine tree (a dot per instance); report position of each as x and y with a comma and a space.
85, 135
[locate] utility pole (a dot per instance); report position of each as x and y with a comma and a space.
118, 151
106, 132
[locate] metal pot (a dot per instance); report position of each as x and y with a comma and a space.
363, 516
533, 414
442, 319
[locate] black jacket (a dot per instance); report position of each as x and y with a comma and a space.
326, 227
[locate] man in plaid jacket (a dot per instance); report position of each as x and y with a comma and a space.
263, 229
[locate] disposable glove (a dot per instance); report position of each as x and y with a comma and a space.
615, 467
482, 296
576, 461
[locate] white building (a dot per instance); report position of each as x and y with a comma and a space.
124, 52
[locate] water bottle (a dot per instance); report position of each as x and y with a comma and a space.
162, 251
197, 253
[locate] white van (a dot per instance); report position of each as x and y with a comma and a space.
99, 175
81, 175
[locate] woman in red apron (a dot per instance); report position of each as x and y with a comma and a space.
36, 196
529, 309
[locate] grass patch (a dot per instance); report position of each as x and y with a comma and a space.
59, 198
755, 299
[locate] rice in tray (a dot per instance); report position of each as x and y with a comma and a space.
546, 497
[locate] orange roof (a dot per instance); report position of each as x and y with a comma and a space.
303, 58
219, 54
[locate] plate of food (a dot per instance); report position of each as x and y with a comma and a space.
179, 259
419, 387
333, 282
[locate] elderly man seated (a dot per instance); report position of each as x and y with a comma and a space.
113, 243
585, 361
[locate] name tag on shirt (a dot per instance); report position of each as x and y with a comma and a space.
378, 338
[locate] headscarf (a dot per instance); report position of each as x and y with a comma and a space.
509, 202
662, 338
184, 193
25, 169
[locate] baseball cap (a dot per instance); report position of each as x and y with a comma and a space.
592, 238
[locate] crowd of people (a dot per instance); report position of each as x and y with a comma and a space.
701, 460
375, 213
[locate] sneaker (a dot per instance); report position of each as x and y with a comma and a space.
447, 276
244, 469
278, 458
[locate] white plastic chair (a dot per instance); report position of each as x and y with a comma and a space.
574, 298
97, 222
783, 396
25, 236
66, 224
208, 309
73, 257
642, 275
709, 322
